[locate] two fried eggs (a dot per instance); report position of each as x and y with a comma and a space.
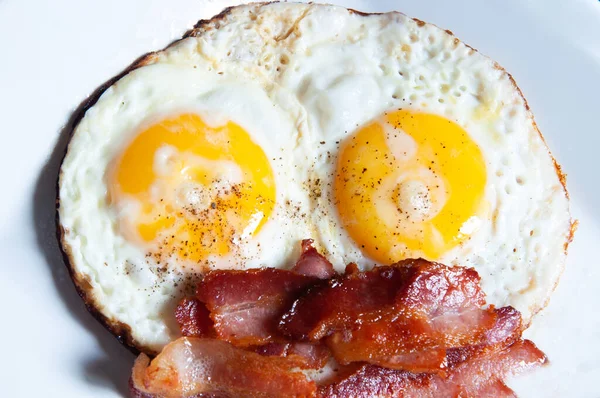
379, 136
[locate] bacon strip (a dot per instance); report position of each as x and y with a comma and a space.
403, 316
344, 301
478, 377
245, 305
194, 367
391, 345
354, 298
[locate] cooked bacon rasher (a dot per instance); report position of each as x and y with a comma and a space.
405, 316
245, 306
197, 367
480, 376
418, 288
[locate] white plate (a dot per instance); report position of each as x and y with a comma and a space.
55, 53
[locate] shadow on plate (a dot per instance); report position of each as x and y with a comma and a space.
113, 369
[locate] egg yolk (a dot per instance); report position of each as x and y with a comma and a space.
192, 189
409, 184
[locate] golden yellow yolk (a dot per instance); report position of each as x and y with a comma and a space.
190, 189
409, 185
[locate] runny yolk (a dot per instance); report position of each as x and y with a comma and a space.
410, 184
191, 190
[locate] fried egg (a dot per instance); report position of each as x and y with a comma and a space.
379, 136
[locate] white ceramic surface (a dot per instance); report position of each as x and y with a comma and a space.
53, 54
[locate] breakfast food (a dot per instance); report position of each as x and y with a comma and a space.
419, 329
380, 136
482, 377
191, 367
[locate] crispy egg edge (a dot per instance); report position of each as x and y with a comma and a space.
123, 332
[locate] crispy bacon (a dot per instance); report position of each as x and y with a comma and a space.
194, 321
197, 367
245, 305
421, 346
480, 376
194, 318
412, 329
404, 316
343, 302
312, 263
419, 286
